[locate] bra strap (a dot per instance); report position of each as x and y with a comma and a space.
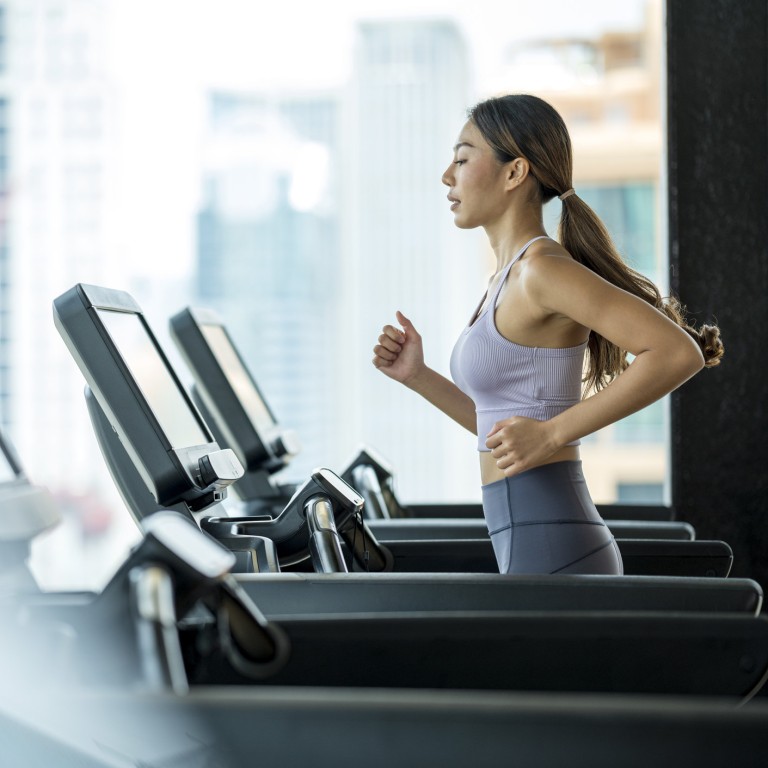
504, 274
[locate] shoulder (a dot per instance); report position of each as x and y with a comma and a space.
547, 264
551, 278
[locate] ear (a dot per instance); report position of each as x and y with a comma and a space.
517, 172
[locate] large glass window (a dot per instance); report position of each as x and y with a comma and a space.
283, 169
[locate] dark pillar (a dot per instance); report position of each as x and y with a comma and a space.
717, 56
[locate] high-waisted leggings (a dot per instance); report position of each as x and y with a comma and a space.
544, 521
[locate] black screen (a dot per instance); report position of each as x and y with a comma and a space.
239, 378
177, 420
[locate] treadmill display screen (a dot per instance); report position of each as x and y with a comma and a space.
239, 378
153, 378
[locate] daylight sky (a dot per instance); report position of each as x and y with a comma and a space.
163, 56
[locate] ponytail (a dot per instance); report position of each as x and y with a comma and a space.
585, 237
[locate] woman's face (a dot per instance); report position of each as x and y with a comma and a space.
476, 181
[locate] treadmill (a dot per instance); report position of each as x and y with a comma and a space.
174, 618
134, 677
239, 417
133, 393
150, 417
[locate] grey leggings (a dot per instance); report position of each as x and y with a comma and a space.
544, 521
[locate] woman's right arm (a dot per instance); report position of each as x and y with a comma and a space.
399, 355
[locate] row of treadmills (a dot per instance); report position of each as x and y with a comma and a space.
325, 622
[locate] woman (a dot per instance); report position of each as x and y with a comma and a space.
521, 381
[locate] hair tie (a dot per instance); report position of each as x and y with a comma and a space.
567, 194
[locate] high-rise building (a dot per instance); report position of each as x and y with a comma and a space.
305, 282
59, 114
407, 103
268, 252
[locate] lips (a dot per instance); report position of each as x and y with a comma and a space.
454, 202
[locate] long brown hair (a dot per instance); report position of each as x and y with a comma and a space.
527, 126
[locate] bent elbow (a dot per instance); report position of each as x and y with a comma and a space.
690, 360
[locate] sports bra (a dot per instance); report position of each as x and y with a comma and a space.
505, 379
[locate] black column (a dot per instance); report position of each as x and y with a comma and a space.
717, 58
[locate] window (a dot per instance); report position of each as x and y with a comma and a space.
640, 493
304, 203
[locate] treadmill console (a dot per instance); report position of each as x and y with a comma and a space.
228, 396
142, 399
324, 482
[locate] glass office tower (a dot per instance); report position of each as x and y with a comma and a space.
268, 255
406, 105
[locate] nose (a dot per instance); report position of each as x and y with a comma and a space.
447, 177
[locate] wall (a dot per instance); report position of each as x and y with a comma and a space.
717, 96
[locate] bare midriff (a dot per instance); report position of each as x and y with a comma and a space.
490, 473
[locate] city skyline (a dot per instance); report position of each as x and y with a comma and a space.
240, 50
108, 188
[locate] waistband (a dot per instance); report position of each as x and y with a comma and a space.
544, 470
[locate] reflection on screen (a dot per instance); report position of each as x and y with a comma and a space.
176, 419
249, 397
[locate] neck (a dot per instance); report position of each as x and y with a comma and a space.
518, 225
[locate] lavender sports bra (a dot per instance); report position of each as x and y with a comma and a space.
505, 379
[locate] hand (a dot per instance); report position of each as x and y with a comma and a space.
399, 354
519, 443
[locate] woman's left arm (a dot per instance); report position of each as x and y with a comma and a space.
665, 356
